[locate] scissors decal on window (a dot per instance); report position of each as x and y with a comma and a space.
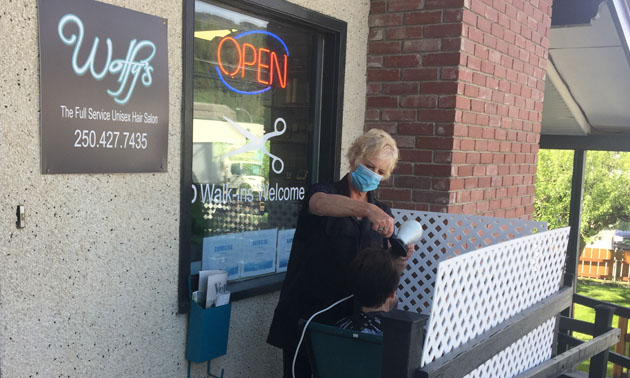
258, 143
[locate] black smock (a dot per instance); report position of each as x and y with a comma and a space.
316, 277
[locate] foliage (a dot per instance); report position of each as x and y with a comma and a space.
605, 204
603, 291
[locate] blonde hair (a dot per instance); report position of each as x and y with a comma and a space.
373, 143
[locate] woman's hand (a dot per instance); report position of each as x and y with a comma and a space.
381, 221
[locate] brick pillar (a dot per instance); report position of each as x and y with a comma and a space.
459, 84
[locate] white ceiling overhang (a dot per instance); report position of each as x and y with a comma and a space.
587, 91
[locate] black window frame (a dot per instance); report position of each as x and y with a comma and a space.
332, 66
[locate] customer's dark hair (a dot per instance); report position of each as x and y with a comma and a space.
374, 275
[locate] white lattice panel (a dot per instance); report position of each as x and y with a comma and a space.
478, 290
445, 236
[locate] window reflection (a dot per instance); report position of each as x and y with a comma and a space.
253, 137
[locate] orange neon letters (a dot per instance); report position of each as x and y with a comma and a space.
282, 76
240, 56
261, 60
245, 62
261, 65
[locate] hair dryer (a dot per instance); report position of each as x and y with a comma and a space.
409, 232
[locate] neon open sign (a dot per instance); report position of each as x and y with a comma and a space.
264, 66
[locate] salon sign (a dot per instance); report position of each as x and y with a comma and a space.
103, 88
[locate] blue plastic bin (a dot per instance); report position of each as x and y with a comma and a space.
207, 332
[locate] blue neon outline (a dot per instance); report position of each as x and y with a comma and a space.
243, 35
264, 32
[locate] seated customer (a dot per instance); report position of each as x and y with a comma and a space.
373, 279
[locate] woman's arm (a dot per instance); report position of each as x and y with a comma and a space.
335, 205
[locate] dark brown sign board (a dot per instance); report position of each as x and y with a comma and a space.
103, 88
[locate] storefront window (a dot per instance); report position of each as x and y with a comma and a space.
254, 138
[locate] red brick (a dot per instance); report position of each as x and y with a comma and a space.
376, 34
475, 132
441, 59
445, 129
390, 47
467, 145
416, 156
398, 115
401, 61
448, 102
394, 194
476, 195
483, 119
469, 118
475, 34
481, 145
488, 133
404, 5
479, 79
439, 87
482, 207
464, 171
414, 182
442, 4
474, 158
432, 170
441, 184
486, 158
390, 127
451, 44
431, 197
453, 15
383, 75
401, 88
378, 7
416, 128
478, 7
374, 61
462, 103
409, 74
388, 19
484, 25
449, 73
404, 32
403, 168
473, 63
374, 88
428, 17
456, 184
469, 17
442, 157
382, 102
435, 143
420, 45
418, 102
443, 30
437, 115
458, 157
372, 115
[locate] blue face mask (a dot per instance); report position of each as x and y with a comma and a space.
364, 179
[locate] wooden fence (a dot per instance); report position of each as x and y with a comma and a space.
604, 264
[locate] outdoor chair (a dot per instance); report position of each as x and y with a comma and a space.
342, 353
490, 312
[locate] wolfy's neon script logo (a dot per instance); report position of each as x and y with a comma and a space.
238, 59
129, 69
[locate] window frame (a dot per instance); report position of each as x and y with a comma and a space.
330, 104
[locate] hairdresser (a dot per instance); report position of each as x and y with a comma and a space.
336, 221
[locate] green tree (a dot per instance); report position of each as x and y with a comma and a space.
606, 200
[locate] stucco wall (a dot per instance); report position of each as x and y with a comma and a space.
89, 287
